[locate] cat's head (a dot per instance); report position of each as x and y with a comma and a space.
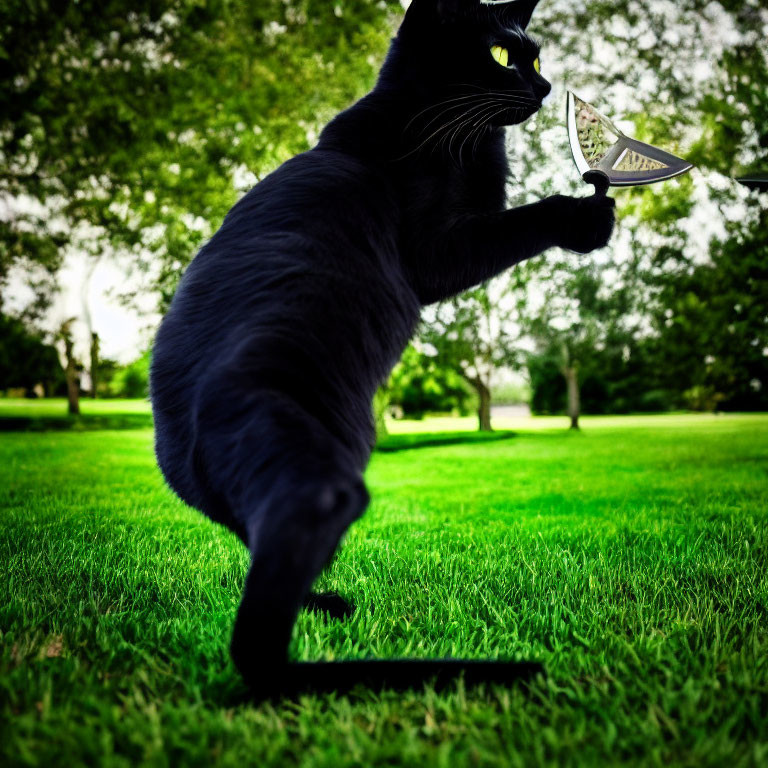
480, 47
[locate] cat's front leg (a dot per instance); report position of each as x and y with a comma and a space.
476, 247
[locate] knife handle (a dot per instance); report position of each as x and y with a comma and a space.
599, 180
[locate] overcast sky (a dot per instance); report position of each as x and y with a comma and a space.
124, 332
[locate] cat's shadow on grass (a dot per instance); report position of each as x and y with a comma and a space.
345, 677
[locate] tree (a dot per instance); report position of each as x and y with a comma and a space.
707, 302
708, 99
134, 125
718, 309
581, 316
420, 384
472, 334
78, 92
95, 360
72, 367
132, 380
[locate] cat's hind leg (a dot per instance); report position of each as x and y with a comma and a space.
293, 490
293, 535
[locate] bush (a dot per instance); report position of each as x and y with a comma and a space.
132, 380
548, 390
26, 360
419, 385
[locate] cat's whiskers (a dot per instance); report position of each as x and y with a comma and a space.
488, 90
443, 127
466, 98
478, 115
460, 119
437, 104
477, 129
463, 120
481, 121
471, 111
453, 129
461, 102
482, 125
478, 136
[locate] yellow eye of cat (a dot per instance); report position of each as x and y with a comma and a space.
500, 54
537, 66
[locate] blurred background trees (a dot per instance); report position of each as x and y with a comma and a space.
26, 361
472, 336
127, 130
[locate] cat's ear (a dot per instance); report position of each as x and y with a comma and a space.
514, 11
517, 12
438, 10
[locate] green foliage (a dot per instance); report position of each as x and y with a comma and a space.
548, 394
472, 334
585, 320
692, 81
131, 128
137, 118
718, 309
106, 371
419, 384
631, 560
132, 380
612, 380
511, 394
708, 349
26, 360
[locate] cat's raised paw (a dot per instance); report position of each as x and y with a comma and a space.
585, 223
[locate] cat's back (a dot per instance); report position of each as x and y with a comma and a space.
317, 235
303, 276
321, 195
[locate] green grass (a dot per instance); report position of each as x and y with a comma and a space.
631, 559
21, 415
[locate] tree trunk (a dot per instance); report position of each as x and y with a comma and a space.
94, 364
574, 401
484, 407
73, 385
484, 401
380, 406
73, 396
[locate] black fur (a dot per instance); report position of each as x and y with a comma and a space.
288, 320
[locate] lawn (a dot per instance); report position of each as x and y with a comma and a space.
631, 559
22, 415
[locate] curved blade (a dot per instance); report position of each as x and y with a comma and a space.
598, 145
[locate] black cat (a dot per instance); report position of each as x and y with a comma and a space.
293, 314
